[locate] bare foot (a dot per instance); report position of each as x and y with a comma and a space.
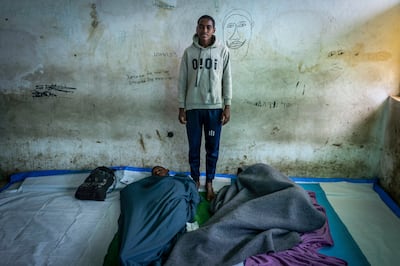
210, 191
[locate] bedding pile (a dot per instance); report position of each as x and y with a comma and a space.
44, 224
307, 251
263, 211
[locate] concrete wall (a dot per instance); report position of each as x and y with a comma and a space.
88, 83
390, 163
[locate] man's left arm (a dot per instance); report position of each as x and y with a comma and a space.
226, 115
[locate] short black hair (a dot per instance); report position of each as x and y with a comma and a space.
206, 17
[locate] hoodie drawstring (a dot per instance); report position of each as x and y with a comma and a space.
209, 71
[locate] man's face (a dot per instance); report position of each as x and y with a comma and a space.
205, 30
159, 171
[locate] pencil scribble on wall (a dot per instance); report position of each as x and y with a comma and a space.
271, 104
237, 29
51, 90
166, 4
149, 76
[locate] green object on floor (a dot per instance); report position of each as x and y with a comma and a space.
202, 213
112, 256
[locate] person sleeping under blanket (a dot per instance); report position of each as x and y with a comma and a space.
263, 211
154, 212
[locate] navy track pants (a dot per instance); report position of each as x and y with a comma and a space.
210, 121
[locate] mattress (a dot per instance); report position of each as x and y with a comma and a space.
370, 216
44, 224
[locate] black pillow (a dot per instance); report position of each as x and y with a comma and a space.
96, 184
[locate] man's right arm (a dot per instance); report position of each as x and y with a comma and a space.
182, 85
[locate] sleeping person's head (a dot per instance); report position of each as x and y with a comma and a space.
159, 171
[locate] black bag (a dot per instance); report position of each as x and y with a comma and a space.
96, 184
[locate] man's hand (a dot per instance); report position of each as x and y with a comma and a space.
226, 115
182, 116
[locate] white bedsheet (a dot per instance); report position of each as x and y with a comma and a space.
43, 224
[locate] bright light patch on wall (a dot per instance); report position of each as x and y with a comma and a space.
396, 98
380, 96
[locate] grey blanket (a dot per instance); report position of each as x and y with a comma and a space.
262, 211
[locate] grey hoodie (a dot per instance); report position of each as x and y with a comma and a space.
205, 80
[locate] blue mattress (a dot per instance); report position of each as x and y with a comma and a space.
344, 245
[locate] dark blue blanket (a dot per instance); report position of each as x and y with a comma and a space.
154, 211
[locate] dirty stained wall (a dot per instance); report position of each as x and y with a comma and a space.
390, 163
88, 83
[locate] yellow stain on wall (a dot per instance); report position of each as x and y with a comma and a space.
357, 55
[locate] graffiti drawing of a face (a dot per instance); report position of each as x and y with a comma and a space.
237, 27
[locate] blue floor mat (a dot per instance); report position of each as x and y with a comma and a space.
344, 245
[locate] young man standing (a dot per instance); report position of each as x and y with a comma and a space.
204, 94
